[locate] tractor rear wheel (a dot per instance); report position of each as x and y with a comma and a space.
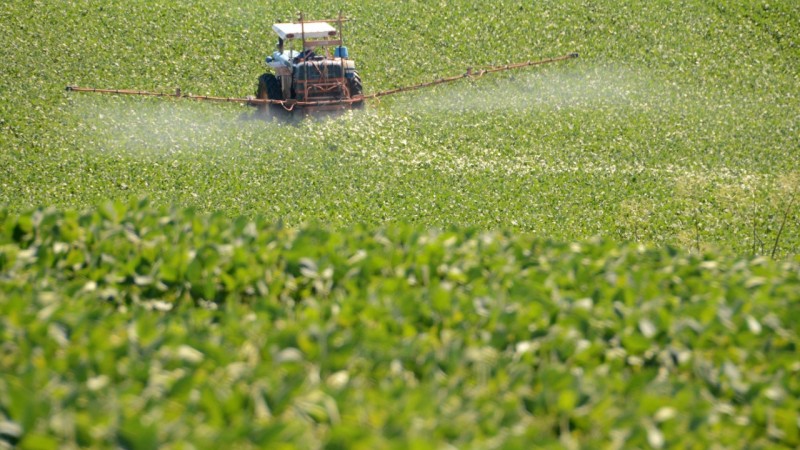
354, 84
355, 87
269, 88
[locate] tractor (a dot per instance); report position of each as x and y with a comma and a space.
319, 76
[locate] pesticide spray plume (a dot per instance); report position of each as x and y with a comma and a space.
143, 127
291, 105
169, 127
471, 74
580, 87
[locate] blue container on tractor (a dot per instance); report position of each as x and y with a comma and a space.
340, 52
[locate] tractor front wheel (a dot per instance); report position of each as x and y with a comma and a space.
269, 88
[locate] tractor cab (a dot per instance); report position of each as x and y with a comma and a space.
312, 68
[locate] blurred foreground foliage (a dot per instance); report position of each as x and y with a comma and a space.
138, 326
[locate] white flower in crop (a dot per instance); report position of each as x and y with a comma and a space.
189, 354
97, 383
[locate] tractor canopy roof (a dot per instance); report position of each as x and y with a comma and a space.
312, 30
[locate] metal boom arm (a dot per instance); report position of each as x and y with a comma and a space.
291, 104
472, 74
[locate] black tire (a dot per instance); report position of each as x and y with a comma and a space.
269, 88
355, 87
354, 84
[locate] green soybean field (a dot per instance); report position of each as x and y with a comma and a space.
597, 253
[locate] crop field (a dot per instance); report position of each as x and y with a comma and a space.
597, 253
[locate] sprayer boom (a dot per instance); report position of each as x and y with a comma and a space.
291, 104
472, 74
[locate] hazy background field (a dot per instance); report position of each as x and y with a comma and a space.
677, 124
